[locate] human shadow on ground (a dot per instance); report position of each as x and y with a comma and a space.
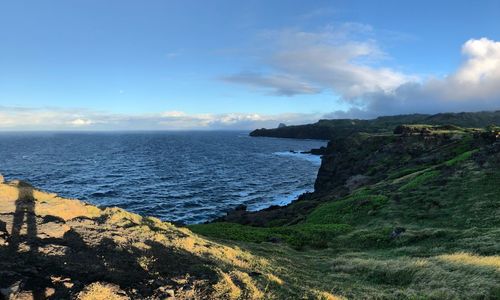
24, 215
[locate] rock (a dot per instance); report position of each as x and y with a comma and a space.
319, 151
49, 292
2, 180
240, 207
167, 291
26, 295
9, 291
52, 230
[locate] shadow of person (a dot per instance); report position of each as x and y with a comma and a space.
25, 216
25, 209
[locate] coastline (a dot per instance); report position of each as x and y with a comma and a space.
364, 219
207, 174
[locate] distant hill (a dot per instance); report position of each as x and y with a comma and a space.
328, 129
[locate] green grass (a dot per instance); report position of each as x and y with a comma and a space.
449, 249
419, 180
460, 158
297, 236
350, 210
406, 171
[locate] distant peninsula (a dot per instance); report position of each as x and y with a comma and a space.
338, 128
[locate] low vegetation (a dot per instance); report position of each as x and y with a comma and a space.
427, 228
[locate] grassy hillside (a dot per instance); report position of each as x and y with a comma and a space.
405, 215
424, 225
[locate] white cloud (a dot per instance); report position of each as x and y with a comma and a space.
281, 85
15, 118
81, 122
474, 86
173, 113
347, 60
483, 61
341, 58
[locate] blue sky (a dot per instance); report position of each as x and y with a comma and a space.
241, 64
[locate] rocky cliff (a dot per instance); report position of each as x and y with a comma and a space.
361, 159
352, 161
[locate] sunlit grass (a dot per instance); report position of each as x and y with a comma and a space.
474, 260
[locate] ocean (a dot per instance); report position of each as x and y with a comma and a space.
188, 176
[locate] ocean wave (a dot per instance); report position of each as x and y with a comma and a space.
280, 200
314, 159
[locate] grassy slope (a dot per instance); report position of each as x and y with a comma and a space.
449, 249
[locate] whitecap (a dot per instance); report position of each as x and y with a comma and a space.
280, 200
314, 159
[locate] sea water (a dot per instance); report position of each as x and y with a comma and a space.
189, 176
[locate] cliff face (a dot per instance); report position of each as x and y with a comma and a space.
362, 159
357, 160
